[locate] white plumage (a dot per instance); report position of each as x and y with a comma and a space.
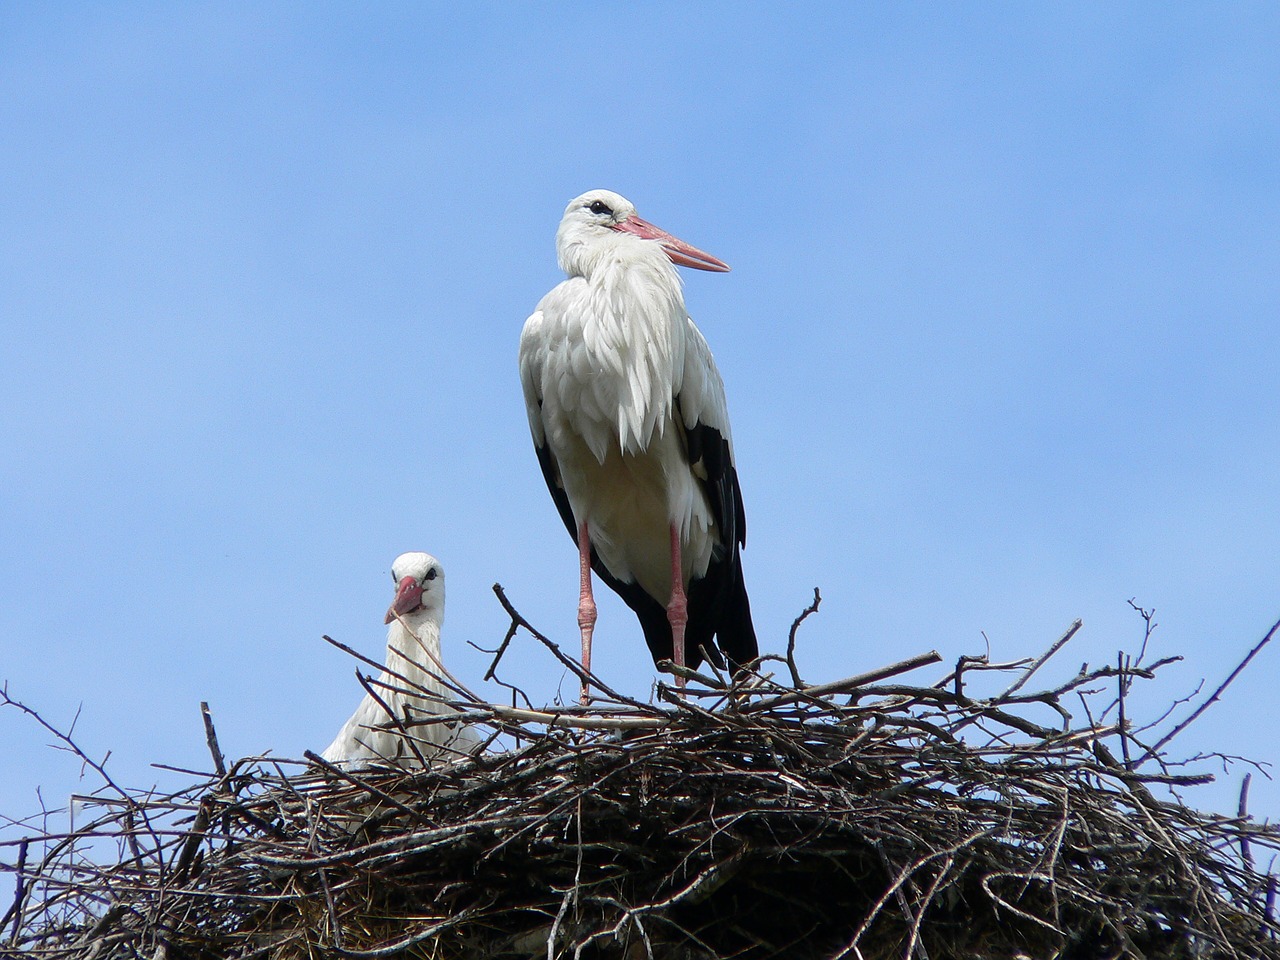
413, 652
629, 418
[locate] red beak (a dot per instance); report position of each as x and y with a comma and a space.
679, 251
408, 598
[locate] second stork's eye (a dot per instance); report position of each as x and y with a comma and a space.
431, 575
600, 207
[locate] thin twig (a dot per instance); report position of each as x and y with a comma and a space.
1242, 812
211, 738
1057, 645
517, 619
1123, 723
791, 637
1213, 698
848, 684
19, 894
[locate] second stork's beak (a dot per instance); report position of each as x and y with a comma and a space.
408, 598
677, 250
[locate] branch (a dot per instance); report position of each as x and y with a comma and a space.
848, 684
211, 738
1213, 698
1043, 659
791, 637
586, 676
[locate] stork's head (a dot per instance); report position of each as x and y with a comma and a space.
419, 581
601, 223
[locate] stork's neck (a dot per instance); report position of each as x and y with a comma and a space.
635, 301
411, 656
634, 334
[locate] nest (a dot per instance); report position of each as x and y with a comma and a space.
746, 819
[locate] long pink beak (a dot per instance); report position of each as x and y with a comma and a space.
679, 251
408, 598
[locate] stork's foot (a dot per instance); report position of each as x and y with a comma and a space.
678, 616
587, 626
586, 605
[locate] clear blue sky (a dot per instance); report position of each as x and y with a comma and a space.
1000, 341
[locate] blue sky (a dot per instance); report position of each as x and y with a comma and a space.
1000, 341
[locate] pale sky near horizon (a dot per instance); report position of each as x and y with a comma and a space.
1000, 342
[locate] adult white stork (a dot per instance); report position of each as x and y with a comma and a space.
629, 420
409, 687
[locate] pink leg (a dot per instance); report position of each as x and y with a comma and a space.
678, 608
586, 603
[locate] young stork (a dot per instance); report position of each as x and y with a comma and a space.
413, 652
629, 419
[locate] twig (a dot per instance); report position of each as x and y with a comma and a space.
71, 745
791, 637
443, 676
191, 845
848, 684
1123, 724
567, 719
361, 782
517, 619
415, 689
1149, 626
19, 893
958, 674
1057, 645
394, 719
211, 738
1242, 812
1213, 698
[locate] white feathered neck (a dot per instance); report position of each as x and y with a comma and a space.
624, 309
414, 654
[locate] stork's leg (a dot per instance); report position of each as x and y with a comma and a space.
678, 608
586, 603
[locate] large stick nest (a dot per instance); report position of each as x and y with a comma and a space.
861, 818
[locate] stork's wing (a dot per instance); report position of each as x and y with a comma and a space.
532, 356
704, 414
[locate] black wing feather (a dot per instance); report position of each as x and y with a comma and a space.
718, 601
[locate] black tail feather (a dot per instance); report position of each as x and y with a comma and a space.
736, 633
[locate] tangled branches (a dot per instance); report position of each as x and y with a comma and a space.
863, 818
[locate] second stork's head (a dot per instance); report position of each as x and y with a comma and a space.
602, 226
419, 581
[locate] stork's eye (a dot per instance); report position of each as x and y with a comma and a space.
431, 575
600, 207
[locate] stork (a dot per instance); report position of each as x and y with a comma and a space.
410, 686
629, 420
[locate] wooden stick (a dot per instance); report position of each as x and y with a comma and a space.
848, 684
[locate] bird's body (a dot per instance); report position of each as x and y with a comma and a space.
409, 686
628, 416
